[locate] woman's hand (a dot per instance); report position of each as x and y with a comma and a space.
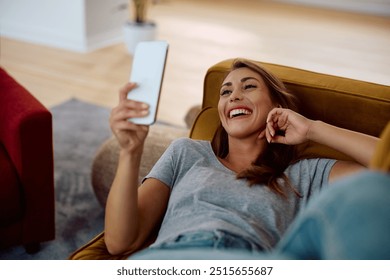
287, 127
130, 136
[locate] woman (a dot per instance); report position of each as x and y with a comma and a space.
240, 192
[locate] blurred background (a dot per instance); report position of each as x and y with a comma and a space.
59, 49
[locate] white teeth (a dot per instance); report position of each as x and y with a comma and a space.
236, 112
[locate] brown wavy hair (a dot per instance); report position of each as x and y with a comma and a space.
269, 166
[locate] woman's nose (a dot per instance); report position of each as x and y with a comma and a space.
235, 96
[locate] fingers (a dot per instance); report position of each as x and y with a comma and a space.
287, 127
127, 109
125, 90
125, 125
128, 104
278, 116
277, 120
125, 112
268, 135
272, 120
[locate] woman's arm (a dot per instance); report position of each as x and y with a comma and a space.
357, 145
298, 129
132, 212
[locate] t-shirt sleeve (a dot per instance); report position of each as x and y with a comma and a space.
309, 176
165, 168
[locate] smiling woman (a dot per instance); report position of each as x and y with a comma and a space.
248, 94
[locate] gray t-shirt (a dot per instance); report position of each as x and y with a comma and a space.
205, 195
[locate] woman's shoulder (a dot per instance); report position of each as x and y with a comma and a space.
311, 162
310, 168
189, 145
185, 141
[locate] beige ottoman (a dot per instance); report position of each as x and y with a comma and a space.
105, 162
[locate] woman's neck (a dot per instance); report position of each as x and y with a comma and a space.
242, 153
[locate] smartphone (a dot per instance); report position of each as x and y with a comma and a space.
148, 72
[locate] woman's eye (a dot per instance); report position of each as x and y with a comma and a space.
249, 86
226, 91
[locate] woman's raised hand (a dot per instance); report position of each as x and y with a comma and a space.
130, 136
287, 127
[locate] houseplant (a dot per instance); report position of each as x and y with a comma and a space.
138, 28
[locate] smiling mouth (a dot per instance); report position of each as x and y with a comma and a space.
239, 112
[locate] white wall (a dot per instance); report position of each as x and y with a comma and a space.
375, 7
79, 25
104, 21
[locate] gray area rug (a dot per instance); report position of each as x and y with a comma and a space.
79, 128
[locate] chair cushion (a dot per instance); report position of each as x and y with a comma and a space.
11, 208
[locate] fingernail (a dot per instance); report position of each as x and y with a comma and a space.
144, 106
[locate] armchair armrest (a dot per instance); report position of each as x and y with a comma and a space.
26, 134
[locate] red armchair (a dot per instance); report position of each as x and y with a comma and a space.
26, 168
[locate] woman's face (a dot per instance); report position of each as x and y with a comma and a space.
244, 103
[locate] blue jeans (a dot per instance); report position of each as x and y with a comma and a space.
348, 220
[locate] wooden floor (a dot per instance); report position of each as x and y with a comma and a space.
202, 33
